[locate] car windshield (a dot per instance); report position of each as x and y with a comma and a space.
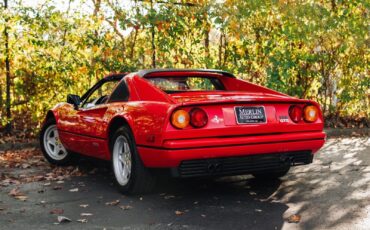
186, 84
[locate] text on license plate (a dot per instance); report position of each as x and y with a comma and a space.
250, 114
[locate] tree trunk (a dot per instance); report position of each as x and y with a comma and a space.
226, 53
206, 43
8, 127
133, 44
97, 4
64, 33
220, 50
153, 39
206, 31
1, 96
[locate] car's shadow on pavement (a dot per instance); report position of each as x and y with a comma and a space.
239, 202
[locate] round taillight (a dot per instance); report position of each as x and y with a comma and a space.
180, 119
310, 113
198, 118
295, 113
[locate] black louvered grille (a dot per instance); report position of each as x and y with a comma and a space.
242, 165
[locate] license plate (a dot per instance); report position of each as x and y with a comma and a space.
250, 114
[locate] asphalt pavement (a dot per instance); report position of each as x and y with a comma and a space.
331, 193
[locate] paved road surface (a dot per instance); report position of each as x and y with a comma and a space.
331, 193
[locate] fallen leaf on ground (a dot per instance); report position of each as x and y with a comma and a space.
63, 219
25, 166
57, 211
179, 213
112, 203
82, 220
294, 218
57, 187
125, 207
86, 214
84, 205
74, 190
21, 198
15, 192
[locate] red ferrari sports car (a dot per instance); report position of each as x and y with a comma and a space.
196, 123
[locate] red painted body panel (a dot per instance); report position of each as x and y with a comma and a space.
148, 111
168, 158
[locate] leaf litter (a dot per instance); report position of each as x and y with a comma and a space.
57, 211
17, 194
294, 218
63, 219
86, 214
113, 203
32, 167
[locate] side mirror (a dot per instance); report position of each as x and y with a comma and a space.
75, 100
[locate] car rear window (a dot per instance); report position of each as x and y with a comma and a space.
186, 84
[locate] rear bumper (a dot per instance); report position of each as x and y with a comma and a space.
174, 152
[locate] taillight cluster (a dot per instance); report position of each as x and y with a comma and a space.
308, 113
197, 118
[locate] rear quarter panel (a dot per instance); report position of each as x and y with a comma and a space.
146, 119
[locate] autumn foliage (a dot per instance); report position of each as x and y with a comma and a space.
308, 49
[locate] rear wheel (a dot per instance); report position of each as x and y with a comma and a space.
273, 174
131, 176
51, 146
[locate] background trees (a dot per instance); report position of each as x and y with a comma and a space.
308, 49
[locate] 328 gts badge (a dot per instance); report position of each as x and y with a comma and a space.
283, 119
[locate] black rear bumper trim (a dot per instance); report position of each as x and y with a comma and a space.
241, 165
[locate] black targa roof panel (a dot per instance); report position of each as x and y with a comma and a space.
143, 73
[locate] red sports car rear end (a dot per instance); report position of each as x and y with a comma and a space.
241, 128
196, 123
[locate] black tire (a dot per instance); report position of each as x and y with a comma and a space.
271, 175
141, 180
67, 159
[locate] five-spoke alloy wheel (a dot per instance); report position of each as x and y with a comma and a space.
122, 160
131, 176
51, 145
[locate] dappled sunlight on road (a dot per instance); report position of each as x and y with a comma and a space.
334, 191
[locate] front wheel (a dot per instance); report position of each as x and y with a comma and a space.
51, 146
131, 176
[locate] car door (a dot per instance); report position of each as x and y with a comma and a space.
90, 120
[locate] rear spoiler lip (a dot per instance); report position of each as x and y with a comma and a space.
250, 101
